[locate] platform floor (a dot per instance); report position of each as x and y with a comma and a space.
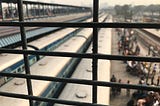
118, 68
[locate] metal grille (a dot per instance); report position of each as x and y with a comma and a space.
94, 56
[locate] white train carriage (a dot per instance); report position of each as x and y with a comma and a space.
42, 44
13, 62
48, 66
83, 93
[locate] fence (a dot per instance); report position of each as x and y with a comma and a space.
94, 56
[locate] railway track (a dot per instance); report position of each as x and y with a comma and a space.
149, 40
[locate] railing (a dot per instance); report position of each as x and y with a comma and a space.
94, 56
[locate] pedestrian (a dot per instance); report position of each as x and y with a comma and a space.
113, 89
137, 50
119, 88
128, 89
119, 46
113, 78
152, 80
158, 80
154, 69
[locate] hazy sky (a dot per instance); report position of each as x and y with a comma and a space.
109, 2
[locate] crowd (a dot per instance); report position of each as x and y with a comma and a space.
143, 97
127, 45
137, 97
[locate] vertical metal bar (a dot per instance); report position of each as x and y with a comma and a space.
1, 10
95, 49
43, 9
16, 12
12, 12
34, 9
24, 46
27, 11
39, 11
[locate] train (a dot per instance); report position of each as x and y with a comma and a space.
83, 93
12, 63
48, 66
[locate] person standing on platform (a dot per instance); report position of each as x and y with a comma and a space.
128, 89
119, 88
158, 81
153, 73
113, 89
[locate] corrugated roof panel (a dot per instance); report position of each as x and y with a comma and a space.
17, 37
7, 40
13, 39
3, 42
10, 40
1, 45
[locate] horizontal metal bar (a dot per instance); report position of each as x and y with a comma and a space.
50, 100
79, 55
87, 25
82, 81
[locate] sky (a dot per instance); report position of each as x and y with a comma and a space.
104, 2
111, 2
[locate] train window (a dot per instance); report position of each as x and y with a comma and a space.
19, 69
31, 61
52, 91
23, 68
63, 74
56, 84
35, 59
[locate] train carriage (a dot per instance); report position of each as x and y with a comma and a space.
13, 63
47, 67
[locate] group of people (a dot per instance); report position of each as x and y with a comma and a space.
139, 97
117, 90
127, 43
141, 69
143, 97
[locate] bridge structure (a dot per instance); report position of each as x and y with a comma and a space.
32, 10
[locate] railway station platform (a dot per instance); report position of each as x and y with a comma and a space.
118, 68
